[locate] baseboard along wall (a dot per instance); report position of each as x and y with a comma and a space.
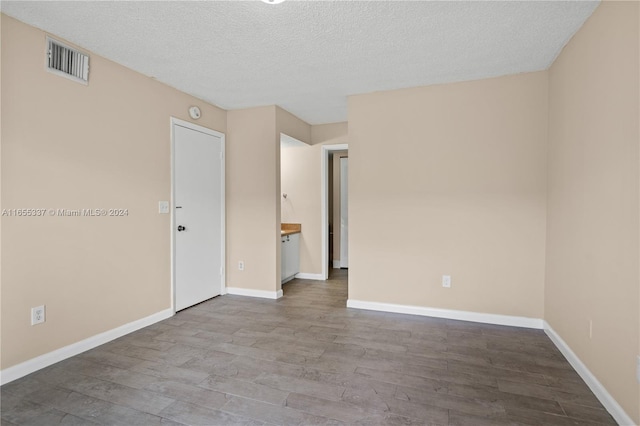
264, 294
24, 368
594, 384
20, 370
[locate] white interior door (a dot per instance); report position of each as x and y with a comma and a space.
344, 212
198, 179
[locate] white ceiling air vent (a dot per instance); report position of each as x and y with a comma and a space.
67, 61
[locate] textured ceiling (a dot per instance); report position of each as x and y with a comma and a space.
308, 56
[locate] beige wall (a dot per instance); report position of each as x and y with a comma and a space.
329, 134
253, 193
253, 234
67, 145
291, 125
301, 169
592, 271
450, 179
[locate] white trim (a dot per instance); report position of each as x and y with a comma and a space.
172, 219
336, 264
344, 212
264, 294
223, 215
324, 202
308, 276
594, 384
223, 277
20, 370
448, 313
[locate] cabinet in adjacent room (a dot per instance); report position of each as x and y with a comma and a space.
290, 257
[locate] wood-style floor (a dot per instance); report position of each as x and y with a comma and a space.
306, 359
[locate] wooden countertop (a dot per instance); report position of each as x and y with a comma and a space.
290, 229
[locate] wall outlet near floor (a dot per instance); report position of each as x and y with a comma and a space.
590, 329
241, 265
446, 281
37, 315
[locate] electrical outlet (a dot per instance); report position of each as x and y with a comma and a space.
446, 281
163, 207
37, 315
241, 265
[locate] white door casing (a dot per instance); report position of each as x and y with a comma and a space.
344, 212
324, 201
198, 213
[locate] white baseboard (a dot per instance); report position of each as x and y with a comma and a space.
264, 294
336, 264
20, 370
596, 387
307, 276
594, 384
448, 313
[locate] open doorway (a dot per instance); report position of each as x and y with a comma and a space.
338, 214
343, 213
334, 239
292, 215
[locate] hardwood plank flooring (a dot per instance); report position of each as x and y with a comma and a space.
305, 359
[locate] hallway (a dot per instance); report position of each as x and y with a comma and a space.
331, 293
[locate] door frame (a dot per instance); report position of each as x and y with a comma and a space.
173, 122
324, 203
344, 196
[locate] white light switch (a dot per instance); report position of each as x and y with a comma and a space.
163, 207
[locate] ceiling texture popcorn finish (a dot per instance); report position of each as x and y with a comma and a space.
308, 56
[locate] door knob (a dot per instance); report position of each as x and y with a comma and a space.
181, 228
